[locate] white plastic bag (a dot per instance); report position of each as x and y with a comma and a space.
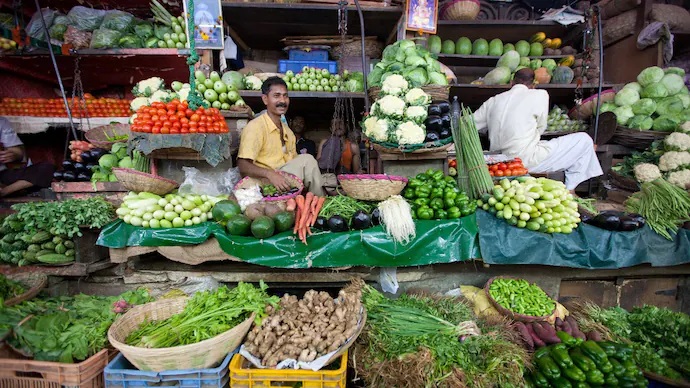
212, 183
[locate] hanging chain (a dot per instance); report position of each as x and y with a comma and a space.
78, 92
341, 106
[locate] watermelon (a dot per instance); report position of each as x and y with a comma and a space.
263, 227
536, 50
562, 75
463, 46
510, 59
238, 225
223, 210
523, 48
498, 76
508, 47
434, 44
496, 48
480, 47
284, 221
448, 47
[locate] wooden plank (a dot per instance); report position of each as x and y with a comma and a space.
601, 292
618, 68
661, 292
76, 269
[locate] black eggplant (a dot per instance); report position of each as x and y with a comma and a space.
431, 136
443, 105
321, 224
67, 165
433, 123
360, 220
586, 218
376, 217
83, 177
628, 224
96, 153
607, 220
637, 217
86, 157
57, 175
337, 224
69, 176
80, 167
434, 110
445, 120
444, 133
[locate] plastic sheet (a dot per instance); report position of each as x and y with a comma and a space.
214, 148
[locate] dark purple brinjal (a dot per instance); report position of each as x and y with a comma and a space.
57, 175
444, 106
444, 133
69, 176
445, 120
337, 224
360, 220
434, 110
431, 136
321, 223
86, 157
67, 165
433, 123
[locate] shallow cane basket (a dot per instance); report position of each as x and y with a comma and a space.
636, 138
138, 181
460, 10
293, 180
390, 148
508, 313
99, 136
35, 283
372, 187
353, 48
204, 354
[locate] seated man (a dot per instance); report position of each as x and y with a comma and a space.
267, 145
515, 121
14, 180
338, 153
304, 145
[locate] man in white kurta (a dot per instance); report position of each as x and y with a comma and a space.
515, 121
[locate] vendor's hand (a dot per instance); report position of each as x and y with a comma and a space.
7, 156
279, 181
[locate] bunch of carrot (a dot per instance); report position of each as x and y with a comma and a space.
308, 208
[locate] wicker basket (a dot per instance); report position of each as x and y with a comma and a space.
372, 48
138, 181
35, 281
588, 107
375, 187
427, 148
200, 355
636, 138
437, 92
293, 180
508, 313
460, 10
99, 136
623, 182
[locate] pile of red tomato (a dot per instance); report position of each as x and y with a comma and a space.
512, 168
176, 117
55, 107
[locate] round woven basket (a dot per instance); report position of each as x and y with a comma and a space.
138, 181
460, 10
623, 182
374, 187
99, 136
437, 92
588, 107
372, 48
636, 138
508, 313
204, 354
293, 180
34, 281
426, 148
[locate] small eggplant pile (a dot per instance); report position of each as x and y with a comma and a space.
438, 122
360, 220
73, 171
616, 221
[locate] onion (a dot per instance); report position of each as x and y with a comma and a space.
396, 218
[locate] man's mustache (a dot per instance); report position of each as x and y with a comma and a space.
281, 105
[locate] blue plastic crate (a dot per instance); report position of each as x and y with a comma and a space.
312, 55
120, 373
296, 66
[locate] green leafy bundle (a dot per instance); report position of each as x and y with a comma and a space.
9, 288
63, 218
666, 331
206, 315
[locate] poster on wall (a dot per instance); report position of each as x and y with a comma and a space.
208, 24
422, 15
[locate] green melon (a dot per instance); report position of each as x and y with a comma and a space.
562, 75
284, 221
223, 210
511, 60
434, 43
238, 225
498, 76
448, 47
263, 227
536, 50
480, 47
508, 47
523, 48
549, 64
463, 46
524, 62
496, 48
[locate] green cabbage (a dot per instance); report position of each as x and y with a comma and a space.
650, 75
675, 70
666, 123
143, 29
117, 20
130, 41
437, 79
607, 107
669, 106
641, 122
374, 78
684, 90
645, 107
414, 61
656, 90
685, 99
673, 83
416, 76
623, 115
626, 97
633, 85
57, 31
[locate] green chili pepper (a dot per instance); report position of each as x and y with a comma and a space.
454, 212
425, 213
436, 203
419, 202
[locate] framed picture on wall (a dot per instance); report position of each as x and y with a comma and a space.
422, 15
208, 24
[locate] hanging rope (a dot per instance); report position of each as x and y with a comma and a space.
194, 98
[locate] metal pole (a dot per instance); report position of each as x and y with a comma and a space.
57, 71
365, 71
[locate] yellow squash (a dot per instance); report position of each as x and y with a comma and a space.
546, 43
556, 43
538, 37
567, 61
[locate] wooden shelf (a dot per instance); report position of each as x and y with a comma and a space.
305, 101
475, 95
74, 269
263, 25
481, 60
506, 30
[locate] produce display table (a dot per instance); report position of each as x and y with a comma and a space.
436, 242
214, 148
30, 125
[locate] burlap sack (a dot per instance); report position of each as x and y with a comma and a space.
613, 8
619, 27
677, 18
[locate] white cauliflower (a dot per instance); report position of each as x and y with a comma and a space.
147, 87
252, 82
410, 133
160, 96
184, 92
646, 172
138, 103
673, 160
416, 114
680, 178
685, 127
417, 96
376, 128
394, 85
678, 141
391, 106
132, 118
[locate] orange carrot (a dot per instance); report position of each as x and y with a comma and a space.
299, 200
297, 220
306, 211
317, 210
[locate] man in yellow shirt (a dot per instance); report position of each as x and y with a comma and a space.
267, 145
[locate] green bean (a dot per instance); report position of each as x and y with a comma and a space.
344, 206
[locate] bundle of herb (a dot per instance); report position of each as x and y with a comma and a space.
206, 315
666, 331
650, 155
63, 218
9, 289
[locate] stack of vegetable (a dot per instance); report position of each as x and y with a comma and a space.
305, 329
510, 168
260, 219
307, 211
538, 204
321, 80
663, 205
521, 297
106, 161
65, 329
659, 100
413, 62
171, 31
546, 71
473, 173
9, 289
538, 334
437, 123
615, 221
177, 118
538, 45
399, 114
79, 168
172, 211
222, 92
206, 315
341, 213
558, 121
435, 196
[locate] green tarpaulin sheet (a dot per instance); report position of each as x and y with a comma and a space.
436, 242
587, 247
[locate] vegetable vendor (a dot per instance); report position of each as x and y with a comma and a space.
25, 176
515, 121
338, 153
268, 145
304, 145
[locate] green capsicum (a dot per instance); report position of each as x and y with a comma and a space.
449, 193
441, 214
422, 191
422, 177
450, 181
419, 202
436, 203
408, 193
454, 212
425, 213
414, 182
436, 193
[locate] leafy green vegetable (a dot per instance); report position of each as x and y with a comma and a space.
651, 155
9, 288
666, 331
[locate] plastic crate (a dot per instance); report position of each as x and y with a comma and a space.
296, 66
17, 372
120, 373
304, 55
242, 376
